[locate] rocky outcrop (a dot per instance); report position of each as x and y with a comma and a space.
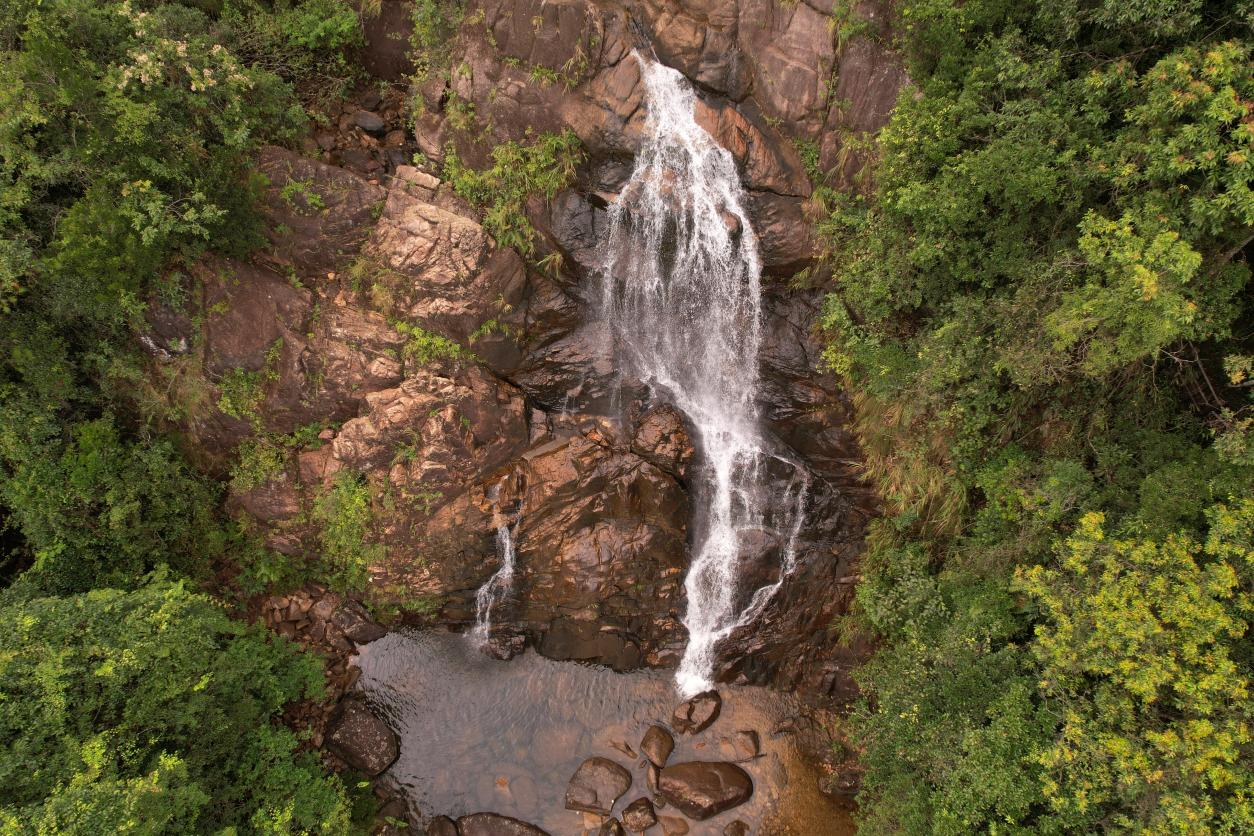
523, 410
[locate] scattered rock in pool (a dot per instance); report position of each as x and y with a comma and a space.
482, 735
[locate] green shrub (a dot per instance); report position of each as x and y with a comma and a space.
345, 516
545, 166
150, 711
1037, 310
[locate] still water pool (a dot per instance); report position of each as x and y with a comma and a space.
478, 734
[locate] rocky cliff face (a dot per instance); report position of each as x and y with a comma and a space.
538, 423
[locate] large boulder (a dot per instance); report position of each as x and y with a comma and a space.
596, 785
362, 739
494, 824
701, 789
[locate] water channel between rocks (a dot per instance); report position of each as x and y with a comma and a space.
478, 735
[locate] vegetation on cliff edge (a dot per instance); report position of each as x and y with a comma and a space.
1044, 310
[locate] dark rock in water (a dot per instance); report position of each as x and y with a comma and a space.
505, 646
442, 826
651, 776
611, 827
356, 623
736, 828
657, 745
362, 739
701, 789
639, 816
742, 745
369, 122
585, 641
672, 825
492, 824
596, 785
698, 713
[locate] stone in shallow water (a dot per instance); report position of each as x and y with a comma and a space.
441, 826
596, 785
742, 745
736, 828
492, 824
362, 739
639, 815
672, 825
657, 745
611, 827
701, 789
696, 714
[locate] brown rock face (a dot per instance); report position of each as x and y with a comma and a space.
701, 790
596, 785
363, 740
533, 420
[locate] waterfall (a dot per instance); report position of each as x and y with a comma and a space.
497, 586
680, 286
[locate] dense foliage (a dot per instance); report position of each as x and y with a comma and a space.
129, 703
150, 711
1044, 310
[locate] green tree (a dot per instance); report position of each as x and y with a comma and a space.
150, 711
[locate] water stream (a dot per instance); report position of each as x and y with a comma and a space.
681, 288
497, 586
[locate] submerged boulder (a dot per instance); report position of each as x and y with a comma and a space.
596, 785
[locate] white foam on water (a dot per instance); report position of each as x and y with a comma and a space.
497, 586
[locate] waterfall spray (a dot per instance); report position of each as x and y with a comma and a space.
681, 289
497, 586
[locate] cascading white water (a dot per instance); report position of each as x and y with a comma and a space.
681, 289
497, 586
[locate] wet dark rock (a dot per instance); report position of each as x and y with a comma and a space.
362, 739
356, 623
596, 785
371, 123
505, 646
696, 715
639, 816
493, 824
657, 745
585, 641
611, 827
442, 826
736, 828
701, 789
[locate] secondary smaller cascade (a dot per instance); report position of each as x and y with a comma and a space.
499, 585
